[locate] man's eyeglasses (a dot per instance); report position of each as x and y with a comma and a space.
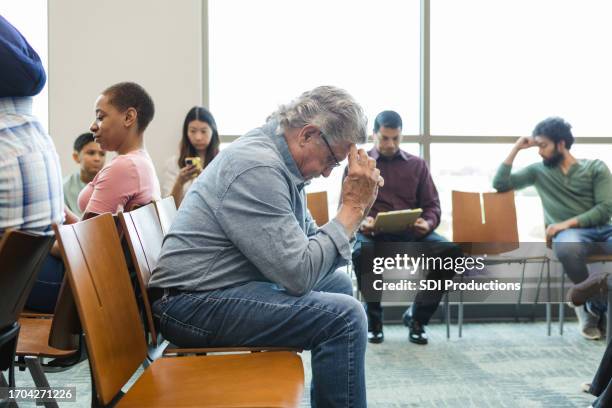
334, 162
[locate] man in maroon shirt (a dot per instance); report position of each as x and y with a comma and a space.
408, 185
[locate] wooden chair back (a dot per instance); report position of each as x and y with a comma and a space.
317, 205
105, 300
65, 326
166, 211
21, 256
143, 232
488, 219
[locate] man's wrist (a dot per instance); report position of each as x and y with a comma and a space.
350, 217
571, 223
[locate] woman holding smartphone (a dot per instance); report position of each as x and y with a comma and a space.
199, 145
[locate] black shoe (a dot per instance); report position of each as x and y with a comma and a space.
376, 337
416, 332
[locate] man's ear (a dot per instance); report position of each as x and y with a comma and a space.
130, 117
561, 145
76, 158
306, 134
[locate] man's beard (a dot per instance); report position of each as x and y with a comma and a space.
554, 160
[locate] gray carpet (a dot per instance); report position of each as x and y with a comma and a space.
493, 365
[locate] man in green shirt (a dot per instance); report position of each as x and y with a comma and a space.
576, 196
88, 154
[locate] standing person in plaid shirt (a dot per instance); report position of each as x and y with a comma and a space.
31, 196
30, 175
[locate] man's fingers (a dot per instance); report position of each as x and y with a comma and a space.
363, 156
371, 163
352, 156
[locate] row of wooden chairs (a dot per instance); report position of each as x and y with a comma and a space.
487, 223
106, 302
98, 286
21, 256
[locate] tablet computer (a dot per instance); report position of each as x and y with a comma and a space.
396, 221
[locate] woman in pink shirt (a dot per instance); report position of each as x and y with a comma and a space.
123, 112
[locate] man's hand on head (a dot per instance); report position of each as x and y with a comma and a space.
525, 142
359, 189
361, 184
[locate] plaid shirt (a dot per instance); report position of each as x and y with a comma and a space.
31, 197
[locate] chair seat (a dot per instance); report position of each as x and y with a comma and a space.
508, 258
31, 313
174, 350
34, 339
599, 258
273, 379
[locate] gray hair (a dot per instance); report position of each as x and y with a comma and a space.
331, 109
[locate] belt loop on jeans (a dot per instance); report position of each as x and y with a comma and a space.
161, 293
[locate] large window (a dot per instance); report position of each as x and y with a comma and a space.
30, 18
499, 67
471, 167
467, 76
271, 51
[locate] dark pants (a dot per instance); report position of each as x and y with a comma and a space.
602, 383
426, 301
46, 289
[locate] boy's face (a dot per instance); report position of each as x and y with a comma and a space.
91, 158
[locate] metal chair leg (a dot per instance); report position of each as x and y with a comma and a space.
548, 305
460, 314
609, 324
447, 308
537, 295
3, 402
562, 305
38, 375
520, 294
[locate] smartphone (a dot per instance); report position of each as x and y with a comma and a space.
194, 161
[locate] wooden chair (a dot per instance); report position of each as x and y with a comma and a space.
56, 337
486, 223
317, 205
116, 343
21, 256
144, 235
166, 211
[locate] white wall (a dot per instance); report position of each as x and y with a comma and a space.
94, 44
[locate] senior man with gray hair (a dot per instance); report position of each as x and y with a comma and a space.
244, 264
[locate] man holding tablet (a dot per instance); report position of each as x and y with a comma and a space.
408, 185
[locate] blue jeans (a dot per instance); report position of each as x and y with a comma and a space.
43, 296
328, 321
574, 245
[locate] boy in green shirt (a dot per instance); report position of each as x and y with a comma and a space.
576, 196
88, 154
